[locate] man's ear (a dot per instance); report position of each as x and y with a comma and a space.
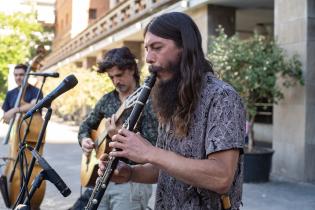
133, 71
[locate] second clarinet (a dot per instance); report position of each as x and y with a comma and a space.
130, 124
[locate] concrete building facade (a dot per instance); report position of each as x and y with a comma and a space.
121, 23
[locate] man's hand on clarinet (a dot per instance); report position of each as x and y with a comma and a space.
111, 126
122, 173
131, 146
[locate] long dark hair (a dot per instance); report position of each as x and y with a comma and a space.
180, 28
122, 58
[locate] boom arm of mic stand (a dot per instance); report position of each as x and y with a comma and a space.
35, 185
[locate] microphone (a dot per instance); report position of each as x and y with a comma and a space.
52, 175
44, 74
68, 83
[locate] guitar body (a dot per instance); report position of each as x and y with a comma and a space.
31, 139
89, 164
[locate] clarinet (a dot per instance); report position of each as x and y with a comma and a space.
102, 182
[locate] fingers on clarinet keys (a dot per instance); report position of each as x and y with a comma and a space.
102, 164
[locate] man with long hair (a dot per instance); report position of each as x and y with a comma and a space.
198, 158
121, 67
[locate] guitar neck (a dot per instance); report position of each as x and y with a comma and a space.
104, 134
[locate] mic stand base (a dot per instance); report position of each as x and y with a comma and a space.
35, 185
22, 207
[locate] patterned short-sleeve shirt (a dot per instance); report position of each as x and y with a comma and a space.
107, 106
218, 124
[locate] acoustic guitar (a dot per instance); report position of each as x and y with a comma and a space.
89, 163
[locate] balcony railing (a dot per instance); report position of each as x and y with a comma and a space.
120, 16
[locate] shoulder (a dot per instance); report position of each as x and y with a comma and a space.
32, 88
149, 103
13, 91
108, 97
216, 89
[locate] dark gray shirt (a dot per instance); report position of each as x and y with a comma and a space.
218, 124
107, 106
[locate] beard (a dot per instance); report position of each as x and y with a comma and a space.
165, 96
121, 88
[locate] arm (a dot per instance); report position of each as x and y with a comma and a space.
146, 173
92, 121
215, 173
23, 108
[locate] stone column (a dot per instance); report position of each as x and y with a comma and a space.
294, 117
209, 17
135, 48
89, 62
220, 15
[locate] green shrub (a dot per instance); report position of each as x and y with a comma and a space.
252, 66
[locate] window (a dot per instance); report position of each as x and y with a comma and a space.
92, 14
264, 111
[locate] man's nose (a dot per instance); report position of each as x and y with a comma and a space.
150, 58
116, 80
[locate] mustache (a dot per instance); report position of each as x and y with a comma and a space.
155, 69
120, 86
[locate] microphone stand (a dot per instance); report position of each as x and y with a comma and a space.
21, 157
25, 135
47, 173
21, 196
35, 185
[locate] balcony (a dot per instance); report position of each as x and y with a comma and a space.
122, 15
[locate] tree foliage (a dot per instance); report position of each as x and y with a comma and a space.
252, 67
75, 104
19, 35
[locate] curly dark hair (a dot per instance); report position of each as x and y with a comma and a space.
21, 66
180, 28
122, 58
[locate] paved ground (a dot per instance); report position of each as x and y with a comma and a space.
64, 155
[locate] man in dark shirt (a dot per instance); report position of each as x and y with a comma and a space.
121, 67
29, 99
